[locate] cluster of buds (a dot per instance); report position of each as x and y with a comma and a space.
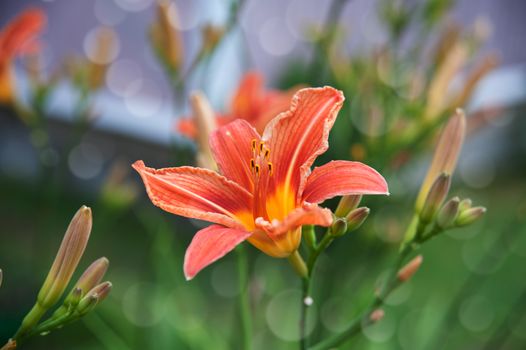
85, 295
431, 208
349, 217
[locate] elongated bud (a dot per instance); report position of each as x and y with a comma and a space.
347, 203
166, 39
356, 218
469, 216
211, 36
446, 154
406, 272
101, 290
67, 258
448, 214
104, 49
465, 204
206, 123
338, 227
90, 278
87, 304
436, 196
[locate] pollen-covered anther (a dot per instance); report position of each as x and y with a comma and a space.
269, 168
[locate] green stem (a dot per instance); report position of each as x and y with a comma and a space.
364, 319
244, 302
298, 264
29, 322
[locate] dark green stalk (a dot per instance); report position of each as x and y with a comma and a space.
244, 302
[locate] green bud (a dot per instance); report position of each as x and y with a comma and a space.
435, 198
448, 214
347, 204
87, 304
469, 216
339, 227
356, 218
465, 204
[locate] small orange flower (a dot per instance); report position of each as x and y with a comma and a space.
18, 38
266, 190
251, 102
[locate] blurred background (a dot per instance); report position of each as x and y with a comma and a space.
106, 89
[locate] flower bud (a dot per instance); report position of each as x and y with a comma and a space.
338, 227
356, 218
87, 304
347, 203
101, 290
446, 154
435, 198
1, 277
448, 214
67, 259
211, 37
206, 123
166, 40
465, 204
469, 216
104, 48
406, 272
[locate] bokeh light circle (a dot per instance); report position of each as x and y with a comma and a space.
476, 313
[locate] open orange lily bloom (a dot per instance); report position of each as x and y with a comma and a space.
251, 102
16, 39
266, 191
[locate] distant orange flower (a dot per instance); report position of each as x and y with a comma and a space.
18, 38
251, 102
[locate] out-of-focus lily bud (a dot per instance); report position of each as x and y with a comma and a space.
469, 216
347, 203
211, 37
1, 277
448, 38
435, 198
448, 213
465, 204
105, 45
166, 39
11, 345
445, 156
67, 259
356, 218
338, 227
487, 64
406, 272
434, 10
206, 123
437, 98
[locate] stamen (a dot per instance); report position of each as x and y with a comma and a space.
261, 145
257, 169
267, 153
252, 163
269, 164
254, 143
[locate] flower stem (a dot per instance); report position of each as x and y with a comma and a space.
29, 322
298, 264
244, 302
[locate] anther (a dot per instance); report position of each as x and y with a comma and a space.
269, 168
261, 145
257, 169
252, 163
267, 154
254, 143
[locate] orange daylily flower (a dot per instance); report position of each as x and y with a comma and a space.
266, 190
251, 102
18, 39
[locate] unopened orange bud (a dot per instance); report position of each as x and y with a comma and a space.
347, 203
167, 40
356, 218
67, 259
406, 272
446, 154
206, 123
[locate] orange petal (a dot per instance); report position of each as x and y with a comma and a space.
248, 97
340, 178
308, 214
187, 127
18, 35
196, 193
210, 244
298, 136
231, 147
